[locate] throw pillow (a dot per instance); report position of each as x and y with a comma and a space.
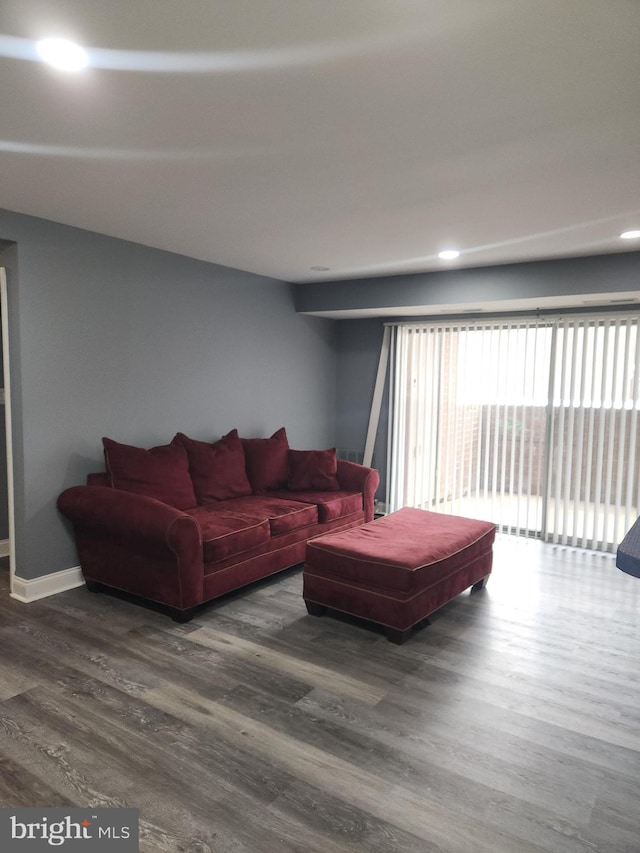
266, 460
313, 470
217, 469
161, 472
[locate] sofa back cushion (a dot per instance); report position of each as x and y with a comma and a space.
267, 463
314, 470
217, 469
161, 472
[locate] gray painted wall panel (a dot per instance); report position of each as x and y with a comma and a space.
359, 344
4, 512
112, 338
9, 260
560, 277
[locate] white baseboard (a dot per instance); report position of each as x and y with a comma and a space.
4, 548
32, 590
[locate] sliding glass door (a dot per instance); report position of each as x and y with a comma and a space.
593, 432
532, 423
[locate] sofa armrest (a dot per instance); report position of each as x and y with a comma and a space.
136, 544
358, 478
128, 515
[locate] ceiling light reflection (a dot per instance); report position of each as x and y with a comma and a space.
125, 154
220, 62
62, 54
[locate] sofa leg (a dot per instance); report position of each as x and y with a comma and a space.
93, 586
394, 635
479, 585
314, 609
182, 616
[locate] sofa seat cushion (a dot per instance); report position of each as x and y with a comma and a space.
331, 505
283, 515
226, 533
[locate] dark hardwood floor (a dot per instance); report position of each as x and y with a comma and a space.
510, 725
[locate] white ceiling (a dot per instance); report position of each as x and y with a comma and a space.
359, 135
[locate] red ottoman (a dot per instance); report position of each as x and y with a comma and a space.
397, 570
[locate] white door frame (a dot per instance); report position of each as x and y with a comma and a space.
4, 308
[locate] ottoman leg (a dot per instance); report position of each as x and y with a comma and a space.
479, 585
314, 609
395, 635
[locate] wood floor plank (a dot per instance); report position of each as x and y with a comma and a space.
474, 780
310, 673
64, 748
358, 787
20, 788
510, 725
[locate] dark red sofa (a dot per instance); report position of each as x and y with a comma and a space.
187, 522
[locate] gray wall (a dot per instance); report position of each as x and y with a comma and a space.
538, 279
112, 338
358, 346
359, 340
4, 514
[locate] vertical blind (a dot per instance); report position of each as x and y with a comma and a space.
532, 423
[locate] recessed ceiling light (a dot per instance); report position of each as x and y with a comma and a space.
630, 235
63, 54
449, 254
319, 269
